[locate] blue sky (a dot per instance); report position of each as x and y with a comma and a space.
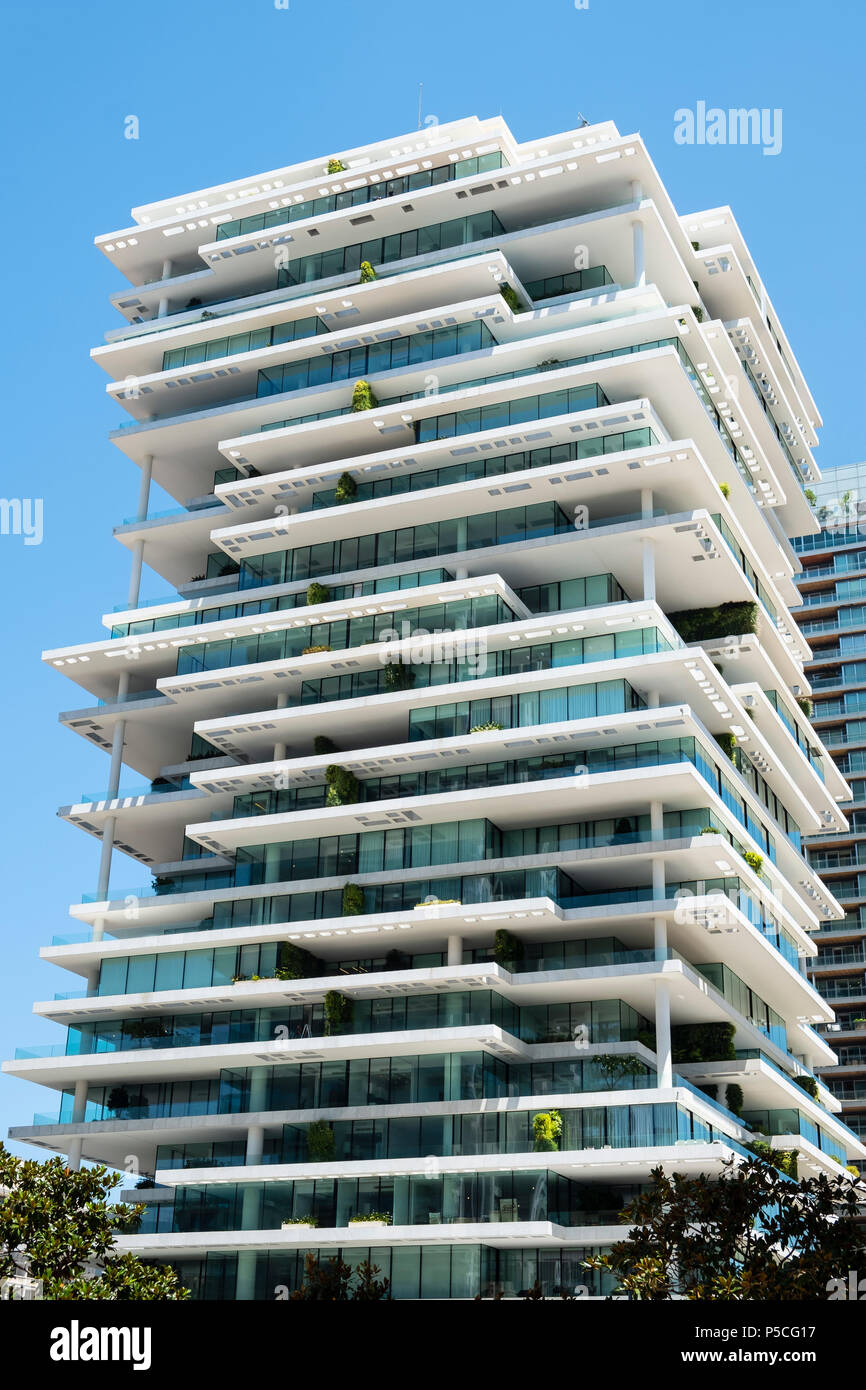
229, 88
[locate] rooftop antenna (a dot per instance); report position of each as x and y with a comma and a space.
583, 120
420, 94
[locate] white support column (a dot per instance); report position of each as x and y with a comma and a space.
255, 1145
455, 950
144, 488
638, 254
649, 569
658, 879
79, 1100
163, 303
73, 1158
258, 1099
646, 502
663, 1034
105, 859
660, 937
657, 820
98, 929
652, 699
280, 748
135, 574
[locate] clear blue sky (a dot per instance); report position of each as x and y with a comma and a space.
229, 88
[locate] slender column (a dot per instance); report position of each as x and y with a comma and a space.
660, 937
163, 303
638, 254
79, 1100
657, 820
255, 1146
455, 950
140, 515
663, 1034
73, 1158
658, 878
646, 502
280, 748
649, 569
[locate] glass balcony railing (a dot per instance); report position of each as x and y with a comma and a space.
360, 197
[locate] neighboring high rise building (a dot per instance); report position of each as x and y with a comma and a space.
476, 773
833, 584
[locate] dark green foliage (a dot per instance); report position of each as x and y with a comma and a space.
344, 789
805, 705
317, 593
294, 963
723, 620
346, 489
54, 1223
398, 676
323, 744
321, 1145
512, 298
720, 1238
507, 948
353, 900
728, 745
734, 1098
703, 1042
808, 1084
339, 1012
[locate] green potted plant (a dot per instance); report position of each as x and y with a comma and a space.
353, 900
344, 789
754, 860
335, 166
339, 1012
367, 273
317, 593
734, 1098
546, 1131
363, 396
321, 1144
346, 489
507, 949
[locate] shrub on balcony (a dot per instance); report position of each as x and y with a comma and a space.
353, 900
335, 166
379, 1218
616, 1066
703, 1042
317, 593
323, 744
347, 489
698, 312
722, 620
728, 745
363, 396
805, 705
294, 963
339, 1012
484, 728
321, 1145
725, 489
344, 789
398, 676
512, 298
734, 1098
507, 948
299, 1221
367, 273
783, 1159
317, 647
547, 1131
808, 1084
754, 860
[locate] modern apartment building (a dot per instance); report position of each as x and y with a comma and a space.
833, 620
475, 775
